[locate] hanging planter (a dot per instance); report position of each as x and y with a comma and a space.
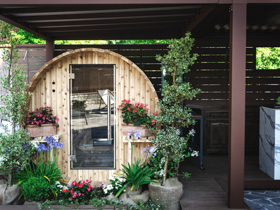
126, 129
41, 122
135, 117
43, 130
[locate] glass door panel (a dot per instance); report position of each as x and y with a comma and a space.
92, 99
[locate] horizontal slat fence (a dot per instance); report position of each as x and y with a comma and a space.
210, 73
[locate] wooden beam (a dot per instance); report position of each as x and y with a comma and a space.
49, 50
203, 13
206, 18
90, 2
237, 104
16, 24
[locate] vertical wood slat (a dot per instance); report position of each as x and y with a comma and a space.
131, 84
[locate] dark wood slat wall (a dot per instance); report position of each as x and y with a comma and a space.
210, 73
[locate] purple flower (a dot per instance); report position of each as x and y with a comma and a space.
42, 147
143, 150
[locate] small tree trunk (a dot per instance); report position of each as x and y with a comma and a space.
10, 179
177, 168
165, 171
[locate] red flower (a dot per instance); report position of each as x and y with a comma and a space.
155, 114
74, 183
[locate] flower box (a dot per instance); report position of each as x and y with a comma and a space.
43, 130
126, 129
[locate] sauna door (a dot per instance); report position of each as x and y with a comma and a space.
92, 111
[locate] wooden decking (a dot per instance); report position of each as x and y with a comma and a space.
207, 189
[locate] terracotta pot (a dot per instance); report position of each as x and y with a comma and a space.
43, 130
126, 129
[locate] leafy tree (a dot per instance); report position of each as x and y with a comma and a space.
173, 115
15, 150
268, 58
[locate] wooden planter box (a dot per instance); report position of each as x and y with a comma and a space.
43, 130
126, 129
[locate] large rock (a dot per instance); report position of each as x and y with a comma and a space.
168, 195
143, 197
10, 195
127, 200
112, 197
135, 191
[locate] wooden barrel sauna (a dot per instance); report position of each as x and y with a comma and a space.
51, 86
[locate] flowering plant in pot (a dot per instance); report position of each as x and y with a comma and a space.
136, 115
173, 116
42, 122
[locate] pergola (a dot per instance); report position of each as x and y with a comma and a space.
233, 20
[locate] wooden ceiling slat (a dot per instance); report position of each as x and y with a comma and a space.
103, 15
97, 10
175, 28
116, 26
111, 20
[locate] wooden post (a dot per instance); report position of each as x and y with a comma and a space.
49, 50
237, 104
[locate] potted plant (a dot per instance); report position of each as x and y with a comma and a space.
135, 117
41, 122
172, 117
135, 175
15, 150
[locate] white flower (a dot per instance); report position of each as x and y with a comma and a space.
192, 132
194, 153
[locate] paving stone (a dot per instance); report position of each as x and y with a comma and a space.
262, 199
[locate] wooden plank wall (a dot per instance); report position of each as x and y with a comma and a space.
50, 87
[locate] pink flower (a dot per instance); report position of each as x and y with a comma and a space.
57, 119
74, 183
88, 189
82, 182
147, 109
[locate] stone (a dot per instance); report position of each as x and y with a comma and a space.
112, 197
143, 197
10, 195
127, 200
168, 195
135, 191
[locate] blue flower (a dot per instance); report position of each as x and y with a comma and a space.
42, 147
6, 153
143, 150
9, 147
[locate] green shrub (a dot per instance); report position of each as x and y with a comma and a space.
136, 175
36, 189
